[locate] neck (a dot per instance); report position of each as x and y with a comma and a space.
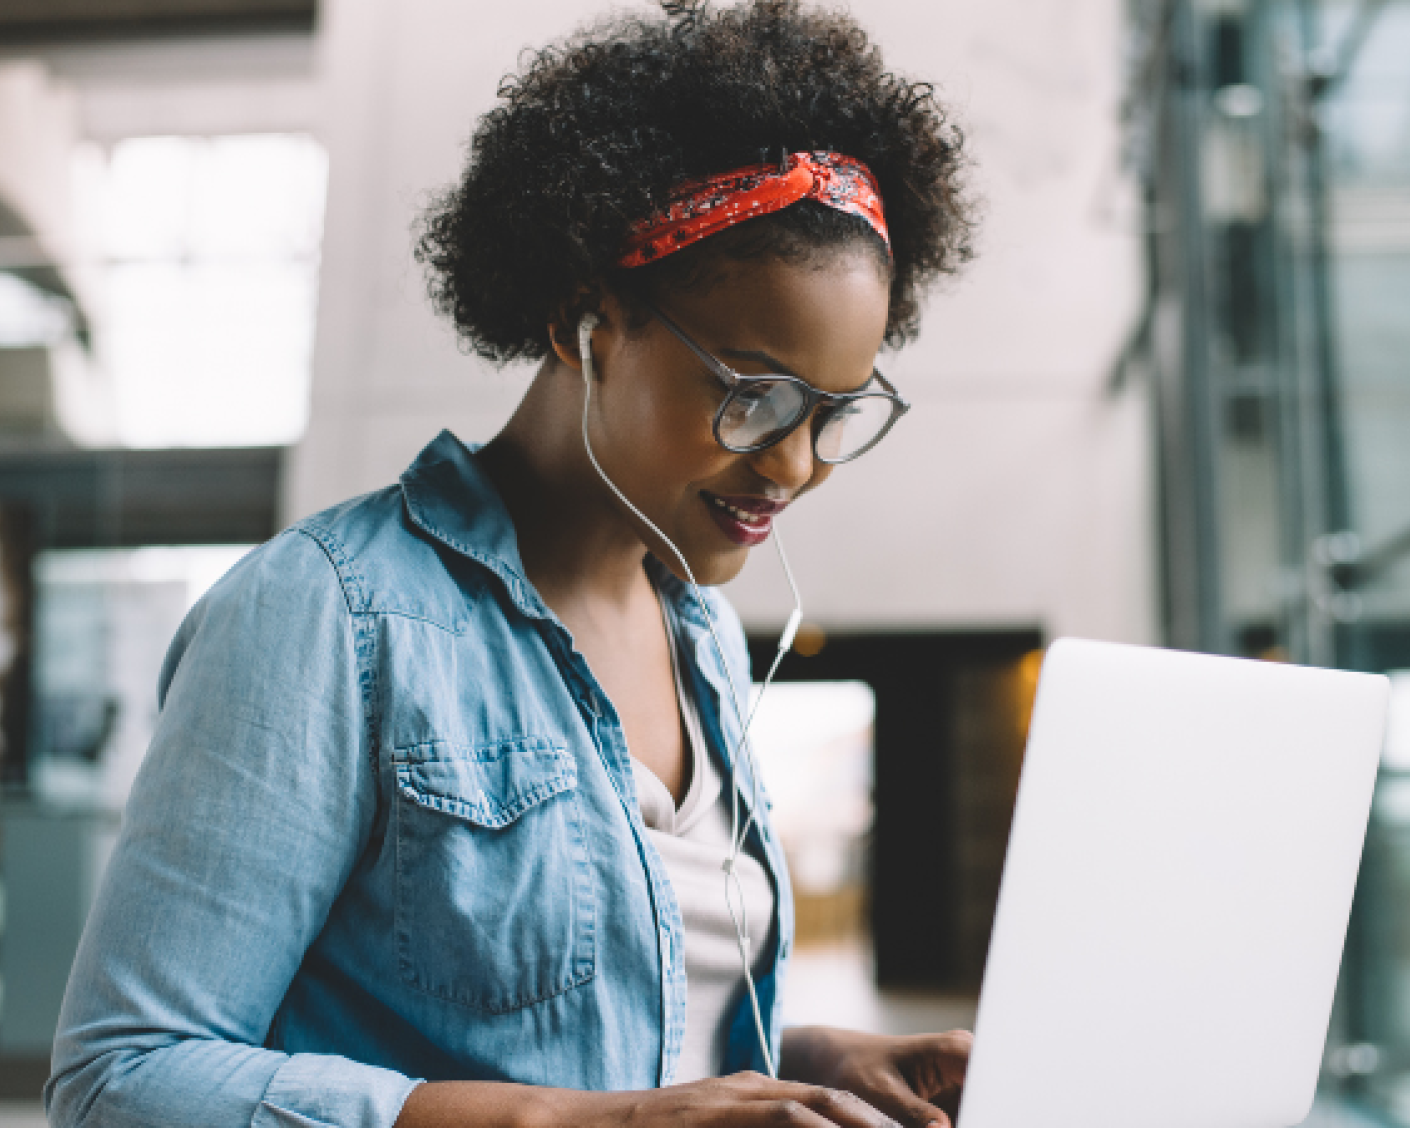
579, 549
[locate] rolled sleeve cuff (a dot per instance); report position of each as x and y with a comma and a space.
321, 1091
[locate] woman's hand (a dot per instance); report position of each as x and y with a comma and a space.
914, 1080
742, 1100
746, 1100
836, 1079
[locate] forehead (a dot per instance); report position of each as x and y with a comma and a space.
824, 319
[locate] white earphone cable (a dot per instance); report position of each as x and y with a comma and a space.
738, 834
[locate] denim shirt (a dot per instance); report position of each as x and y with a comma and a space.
387, 830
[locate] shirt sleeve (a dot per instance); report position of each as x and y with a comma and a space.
252, 807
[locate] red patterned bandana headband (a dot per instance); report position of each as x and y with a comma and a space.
707, 207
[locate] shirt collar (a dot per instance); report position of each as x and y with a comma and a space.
676, 592
449, 497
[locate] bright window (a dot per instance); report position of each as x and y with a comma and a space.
206, 288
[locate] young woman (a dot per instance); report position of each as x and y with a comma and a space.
432, 828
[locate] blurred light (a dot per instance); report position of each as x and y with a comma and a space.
1338, 548
1396, 755
209, 292
1239, 101
197, 567
1322, 62
1343, 606
813, 742
31, 317
809, 640
1030, 666
1356, 1060
796, 717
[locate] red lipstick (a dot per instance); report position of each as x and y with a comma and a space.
745, 520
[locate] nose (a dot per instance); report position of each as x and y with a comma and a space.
790, 463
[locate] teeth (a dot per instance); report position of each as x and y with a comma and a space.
740, 515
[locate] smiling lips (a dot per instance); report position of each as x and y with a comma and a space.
745, 520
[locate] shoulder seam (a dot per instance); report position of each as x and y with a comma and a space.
364, 646
353, 587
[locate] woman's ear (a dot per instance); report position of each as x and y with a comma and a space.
563, 327
564, 340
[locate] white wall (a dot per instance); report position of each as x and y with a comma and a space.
1016, 492
39, 124
192, 86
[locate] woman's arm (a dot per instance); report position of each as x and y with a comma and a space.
743, 1100
256, 799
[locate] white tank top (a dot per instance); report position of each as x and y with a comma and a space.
693, 840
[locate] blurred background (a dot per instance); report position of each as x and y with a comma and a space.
1169, 403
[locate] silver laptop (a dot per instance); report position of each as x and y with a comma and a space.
1176, 892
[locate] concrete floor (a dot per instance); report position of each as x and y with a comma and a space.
833, 987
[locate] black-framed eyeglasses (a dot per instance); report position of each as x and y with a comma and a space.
761, 411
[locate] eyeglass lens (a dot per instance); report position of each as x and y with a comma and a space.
852, 427
760, 412
763, 411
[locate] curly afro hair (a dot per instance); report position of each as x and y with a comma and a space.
595, 134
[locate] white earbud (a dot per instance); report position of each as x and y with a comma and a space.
589, 322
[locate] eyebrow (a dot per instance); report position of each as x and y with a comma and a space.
778, 366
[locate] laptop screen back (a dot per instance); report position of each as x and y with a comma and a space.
1176, 892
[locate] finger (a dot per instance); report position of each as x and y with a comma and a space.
906, 1108
936, 1063
785, 1099
751, 1101
793, 1099
847, 1110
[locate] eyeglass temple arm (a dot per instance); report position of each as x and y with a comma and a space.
730, 378
726, 375
886, 384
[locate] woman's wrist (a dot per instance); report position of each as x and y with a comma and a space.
494, 1104
811, 1054
574, 1108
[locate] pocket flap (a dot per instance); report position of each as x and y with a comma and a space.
489, 784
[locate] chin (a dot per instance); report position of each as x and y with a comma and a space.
710, 570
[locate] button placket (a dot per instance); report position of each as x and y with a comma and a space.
610, 742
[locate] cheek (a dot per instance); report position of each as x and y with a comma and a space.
665, 429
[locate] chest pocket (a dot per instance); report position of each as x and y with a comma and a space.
495, 905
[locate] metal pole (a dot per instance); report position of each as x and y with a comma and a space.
1203, 417
1325, 406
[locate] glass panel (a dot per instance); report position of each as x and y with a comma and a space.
1276, 153
103, 621
1368, 159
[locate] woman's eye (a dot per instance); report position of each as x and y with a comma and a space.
751, 395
